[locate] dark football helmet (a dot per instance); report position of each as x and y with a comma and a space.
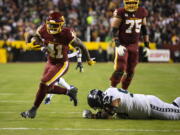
95, 99
55, 22
131, 5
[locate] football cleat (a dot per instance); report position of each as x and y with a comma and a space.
72, 93
29, 114
47, 100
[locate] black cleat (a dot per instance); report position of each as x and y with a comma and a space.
47, 100
29, 114
72, 93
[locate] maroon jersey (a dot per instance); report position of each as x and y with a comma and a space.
57, 44
130, 27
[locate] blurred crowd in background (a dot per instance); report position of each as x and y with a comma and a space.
89, 18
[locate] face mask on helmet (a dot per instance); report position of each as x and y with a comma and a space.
94, 99
131, 5
54, 23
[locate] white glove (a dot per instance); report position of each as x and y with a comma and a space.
146, 51
87, 114
121, 50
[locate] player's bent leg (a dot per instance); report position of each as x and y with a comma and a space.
116, 78
60, 82
72, 92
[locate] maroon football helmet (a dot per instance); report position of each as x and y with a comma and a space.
54, 22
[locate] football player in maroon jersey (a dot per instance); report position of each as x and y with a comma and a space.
127, 23
55, 38
61, 81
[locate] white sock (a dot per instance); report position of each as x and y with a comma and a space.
49, 96
64, 83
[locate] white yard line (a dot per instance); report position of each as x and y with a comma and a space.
93, 129
48, 112
10, 94
15, 101
5, 94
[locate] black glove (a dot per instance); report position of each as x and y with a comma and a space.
79, 66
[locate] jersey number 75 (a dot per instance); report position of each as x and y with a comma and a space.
134, 23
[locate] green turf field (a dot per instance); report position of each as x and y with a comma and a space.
19, 83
